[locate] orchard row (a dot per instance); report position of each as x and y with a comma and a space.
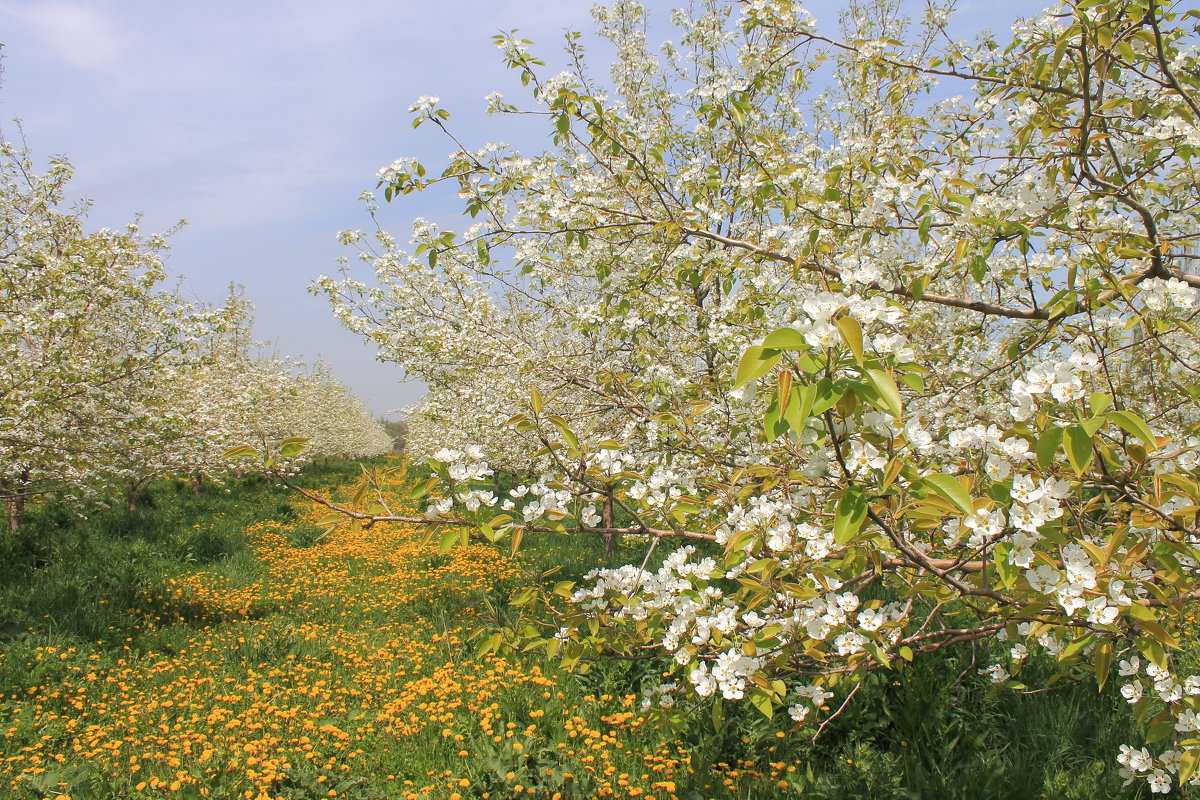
109, 380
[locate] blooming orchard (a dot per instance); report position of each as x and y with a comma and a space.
109, 381
896, 329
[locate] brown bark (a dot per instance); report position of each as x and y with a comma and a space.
610, 539
14, 501
16, 511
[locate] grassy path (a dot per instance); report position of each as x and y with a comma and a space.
329, 668
221, 648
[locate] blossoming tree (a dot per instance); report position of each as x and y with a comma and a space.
108, 381
81, 328
913, 369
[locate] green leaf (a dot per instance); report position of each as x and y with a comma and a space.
292, 446
1047, 446
523, 597
449, 537
852, 335
889, 393
914, 382
878, 653
1152, 650
1079, 448
785, 339
948, 488
763, 704
755, 363
771, 425
1100, 402
1159, 633
1159, 731
1004, 568
849, 516
421, 489
810, 365
923, 229
1102, 658
569, 437
241, 451
799, 408
1141, 612
894, 468
826, 396
1134, 425
1075, 646
1188, 761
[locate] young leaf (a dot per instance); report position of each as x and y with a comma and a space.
1132, 424
1047, 446
785, 339
784, 391
799, 408
852, 335
1079, 448
1102, 658
771, 426
763, 704
292, 446
948, 488
1005, 569
1100, 402
826, 396
849, 516
755, 363
449, 537
889, 393
1188, 762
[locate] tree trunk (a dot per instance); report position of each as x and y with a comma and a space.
610, 539
14, 501
197, 478
16, 511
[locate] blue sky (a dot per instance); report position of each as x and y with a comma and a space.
262, 122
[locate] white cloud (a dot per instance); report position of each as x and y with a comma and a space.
80, 35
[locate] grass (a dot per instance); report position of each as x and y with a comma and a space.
222, 647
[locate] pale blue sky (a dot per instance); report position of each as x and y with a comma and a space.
261, 123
